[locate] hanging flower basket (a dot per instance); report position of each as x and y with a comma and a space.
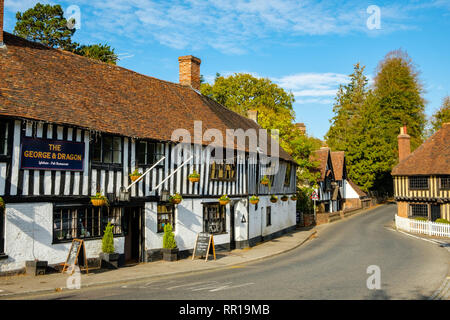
194, 177
294, 198
265, 181
284, 198
135, 175
224, 200
99, 200
254, 199
176, 198
273, 198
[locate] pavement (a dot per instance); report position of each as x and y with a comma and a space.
23, 285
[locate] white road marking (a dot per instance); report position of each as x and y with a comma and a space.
231, 287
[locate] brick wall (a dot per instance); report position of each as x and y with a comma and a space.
322, 218
402, 209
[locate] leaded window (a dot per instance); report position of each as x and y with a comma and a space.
148, 153
222, 171
107, 149
214, 218
418, 183
165, 215
418, 210
3, 138
85, 222
445, 182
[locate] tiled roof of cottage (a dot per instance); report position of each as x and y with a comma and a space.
56, 86
431, 158
338, 158
321, 156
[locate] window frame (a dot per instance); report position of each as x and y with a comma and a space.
416, 205
101, 215
222, 220
155, 155
172, 220
93, 148
6, 138
447, 186
268, 216
414, 179
228, 171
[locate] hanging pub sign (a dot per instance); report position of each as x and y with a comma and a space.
44, 154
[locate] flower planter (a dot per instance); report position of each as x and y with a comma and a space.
134, 178
254, 201
293, 198
265, 182
194, 179
170, 254
273, 200
284, 198
110, 260
175, 201
98, 202
224, 202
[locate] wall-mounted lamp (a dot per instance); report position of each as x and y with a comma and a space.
164, 195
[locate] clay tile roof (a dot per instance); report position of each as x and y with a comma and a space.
56, 86
431, 158
355, 187
321, 156
337, 158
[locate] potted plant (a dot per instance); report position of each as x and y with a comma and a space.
224, 200
176, 198
170, 250
194, 177
294, 197
2, 203
108, 256
284, 197
273, 198
265, 181
135, 175
254, 199
99, 200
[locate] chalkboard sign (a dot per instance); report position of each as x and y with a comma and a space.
77, 252
204, 244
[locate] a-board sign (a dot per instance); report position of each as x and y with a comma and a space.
76, 253
204, 246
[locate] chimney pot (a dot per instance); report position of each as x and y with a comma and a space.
190, 71
253, 115
404, 144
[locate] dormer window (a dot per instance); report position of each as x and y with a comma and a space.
418, 183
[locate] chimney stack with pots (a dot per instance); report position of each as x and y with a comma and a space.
404, 144
190, 71
2, 7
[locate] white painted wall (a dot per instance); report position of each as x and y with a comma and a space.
283, 216
27, 221
350, 193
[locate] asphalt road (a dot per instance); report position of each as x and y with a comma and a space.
331, 266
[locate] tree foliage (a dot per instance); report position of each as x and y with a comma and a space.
367, 120
46, 24
243, 92
442, 115
108, 239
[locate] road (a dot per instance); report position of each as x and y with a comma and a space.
331, 266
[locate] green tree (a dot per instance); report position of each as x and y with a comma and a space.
45, 24
442, 115
349, 102
242, 92
98, 52
399, 93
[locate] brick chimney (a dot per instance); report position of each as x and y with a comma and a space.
190, 71
404, 144
301, 127
253, 115
2, 7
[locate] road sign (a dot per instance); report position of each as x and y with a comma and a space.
314, 196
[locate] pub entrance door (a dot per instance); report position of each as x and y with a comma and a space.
134, 235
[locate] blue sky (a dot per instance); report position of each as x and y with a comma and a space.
307, 47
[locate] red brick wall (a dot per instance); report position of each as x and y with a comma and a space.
190, 71
402, 209
322, 218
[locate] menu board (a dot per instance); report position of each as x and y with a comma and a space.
76, 253
204, 245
